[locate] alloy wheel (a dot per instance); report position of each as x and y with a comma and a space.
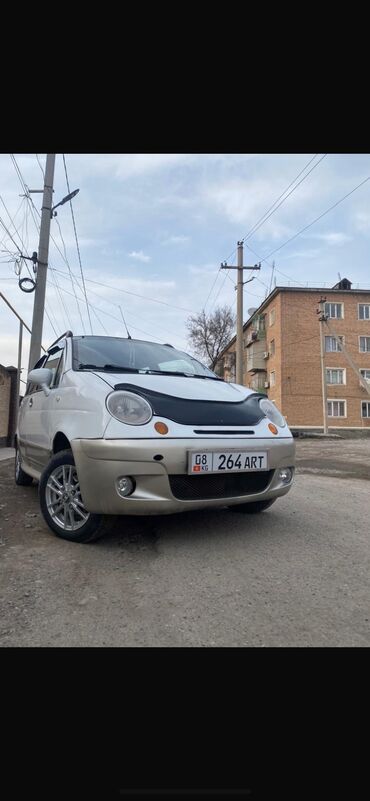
63, 498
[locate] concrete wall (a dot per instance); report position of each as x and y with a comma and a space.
5, 386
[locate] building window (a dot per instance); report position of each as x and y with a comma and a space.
334, 310
337, 408
272, 317
335, 375
365, 374
364, 311
272, 347
272, 378
364, 344
331, 344
365, 409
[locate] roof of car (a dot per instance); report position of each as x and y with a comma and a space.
131, 339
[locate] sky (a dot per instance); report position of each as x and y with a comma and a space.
154, 228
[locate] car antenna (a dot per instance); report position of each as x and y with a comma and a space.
128, 333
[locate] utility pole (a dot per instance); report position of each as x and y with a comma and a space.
322, 320
43, 254
239, 312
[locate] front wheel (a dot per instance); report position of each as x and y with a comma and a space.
252, 508
62, 505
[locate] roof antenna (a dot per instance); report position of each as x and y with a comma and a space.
128, 333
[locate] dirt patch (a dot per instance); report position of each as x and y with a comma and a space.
337, 458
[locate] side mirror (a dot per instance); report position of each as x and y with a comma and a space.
42, 376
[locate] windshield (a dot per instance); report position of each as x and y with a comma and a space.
131, 355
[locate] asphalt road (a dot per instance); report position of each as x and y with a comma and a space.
295, 575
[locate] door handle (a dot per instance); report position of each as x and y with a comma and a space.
57, 398
30, 402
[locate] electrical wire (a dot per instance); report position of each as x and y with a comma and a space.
77, 245
70, 273
135, 294
27, 195
317, 218
117, 306
40, 165
267, 215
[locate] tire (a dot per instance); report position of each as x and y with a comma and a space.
254, 507
21, 478
68, 519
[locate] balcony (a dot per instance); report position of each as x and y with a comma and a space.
256, 359
258, 382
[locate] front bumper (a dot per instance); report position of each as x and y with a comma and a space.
100, 462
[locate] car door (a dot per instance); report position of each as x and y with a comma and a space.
35, 420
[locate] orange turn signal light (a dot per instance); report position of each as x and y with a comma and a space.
273, 428
161, 428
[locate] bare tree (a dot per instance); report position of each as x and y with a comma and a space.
210, 333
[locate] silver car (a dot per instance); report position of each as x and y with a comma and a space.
112, 426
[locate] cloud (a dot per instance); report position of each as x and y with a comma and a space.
362, 221
206, 269
176, 240
139, 255
309, 253
333, 238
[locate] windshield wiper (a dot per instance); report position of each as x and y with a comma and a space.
142, 371
175, 372
111, 367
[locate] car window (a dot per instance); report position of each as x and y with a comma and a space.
59, 371
54, 363
134, 355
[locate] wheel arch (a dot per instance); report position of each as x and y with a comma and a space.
60, 442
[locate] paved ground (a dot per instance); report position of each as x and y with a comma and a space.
6, 453
296, 575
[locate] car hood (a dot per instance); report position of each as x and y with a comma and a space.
204, 389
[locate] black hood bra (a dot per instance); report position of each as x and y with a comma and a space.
201, 412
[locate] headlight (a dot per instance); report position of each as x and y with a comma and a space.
272, 412
129, 408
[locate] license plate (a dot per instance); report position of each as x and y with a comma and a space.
226, 462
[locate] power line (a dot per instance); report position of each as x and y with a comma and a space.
14, 218
105, 300
317, 218
267, 215
211, 290
134, 294
77, 245
32, 206
40, 165
70, 273
117, 319
25, 189
20, 252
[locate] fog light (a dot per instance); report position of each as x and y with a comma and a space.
125, 486
285, 474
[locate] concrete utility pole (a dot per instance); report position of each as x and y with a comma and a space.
322, 320
239, 316
43, 254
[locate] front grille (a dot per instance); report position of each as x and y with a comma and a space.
231, 485
219, 431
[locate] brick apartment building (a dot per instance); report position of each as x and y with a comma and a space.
8, 388
282, 355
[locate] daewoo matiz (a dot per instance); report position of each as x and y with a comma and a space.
112, 426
